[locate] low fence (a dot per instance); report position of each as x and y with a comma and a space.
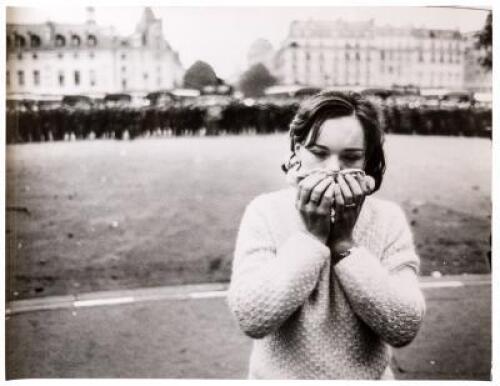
120, 123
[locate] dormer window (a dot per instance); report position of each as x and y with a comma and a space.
35, 41
75, 41
60, 41
92, 40
20, 41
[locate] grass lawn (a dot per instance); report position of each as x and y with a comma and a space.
97, 215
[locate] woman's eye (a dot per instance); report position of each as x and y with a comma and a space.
351, 158
320, 154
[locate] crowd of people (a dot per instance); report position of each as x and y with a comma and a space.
26, 123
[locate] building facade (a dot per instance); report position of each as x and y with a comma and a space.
55, 59
361, 54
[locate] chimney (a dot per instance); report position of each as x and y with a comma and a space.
90, 15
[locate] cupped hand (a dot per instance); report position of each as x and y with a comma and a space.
349, 195
314, 201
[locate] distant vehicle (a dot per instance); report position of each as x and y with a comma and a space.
458, 96
448, 98
221, 89
115, 100
483, 99
382, 93
291, 91
160, 98
408, 89
397, 91
77, 101
214, 100
185, 93
33, 101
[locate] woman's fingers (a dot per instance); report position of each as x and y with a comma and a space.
356, 189
370, 182
362, 183
337, 194
327, 201
306, 187
319, 190
345, 190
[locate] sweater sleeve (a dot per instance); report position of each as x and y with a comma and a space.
268, 284
385, 293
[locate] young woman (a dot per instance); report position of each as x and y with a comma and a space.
325, 276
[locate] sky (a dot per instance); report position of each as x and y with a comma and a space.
221, 36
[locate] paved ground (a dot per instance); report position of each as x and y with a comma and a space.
187, 332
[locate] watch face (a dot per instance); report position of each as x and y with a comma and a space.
345, 253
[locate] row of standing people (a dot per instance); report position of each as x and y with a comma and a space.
235, 118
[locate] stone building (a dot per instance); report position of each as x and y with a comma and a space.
363, 55
54, 59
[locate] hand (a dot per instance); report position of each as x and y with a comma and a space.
314, 202
349, 195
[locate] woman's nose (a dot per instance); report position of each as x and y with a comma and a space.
332, 163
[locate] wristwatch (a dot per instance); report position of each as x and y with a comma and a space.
338, 256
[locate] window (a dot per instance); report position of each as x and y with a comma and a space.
7, 78
20, 41
124, 55
60, 41
35, 56
92, 78
124, 84
19, 56
357, 56
91, 40
61, 78
36, 78
20, 78
35, 41
75, 41
77, 78
60, 55
382, 55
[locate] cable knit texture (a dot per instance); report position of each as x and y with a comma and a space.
312, 320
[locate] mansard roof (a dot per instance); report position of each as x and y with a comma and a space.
357, 29
51, 35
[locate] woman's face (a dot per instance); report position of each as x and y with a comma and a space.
340, 144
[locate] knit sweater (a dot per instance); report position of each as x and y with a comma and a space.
312, 320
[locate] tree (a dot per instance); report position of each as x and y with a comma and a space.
199, 75
484, 42
255, 80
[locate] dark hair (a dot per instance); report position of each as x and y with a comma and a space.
315, 110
